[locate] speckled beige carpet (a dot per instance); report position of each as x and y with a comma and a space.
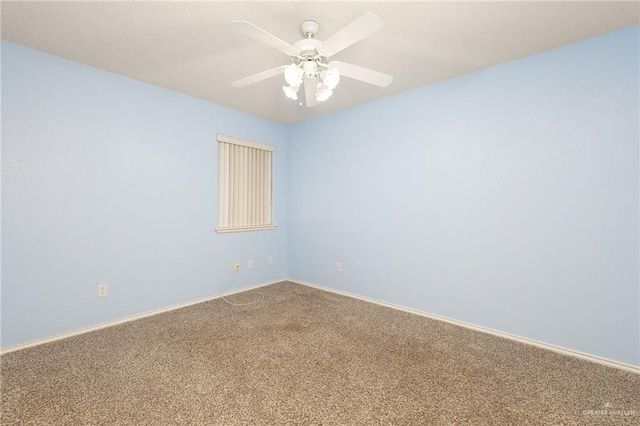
305, 356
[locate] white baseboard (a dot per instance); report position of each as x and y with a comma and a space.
129, 318
554, 348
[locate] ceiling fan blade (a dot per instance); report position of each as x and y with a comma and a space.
310, 92
361, 27
259, 76
261, 35
363, 74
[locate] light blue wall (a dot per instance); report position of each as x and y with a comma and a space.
107, 179
506, 198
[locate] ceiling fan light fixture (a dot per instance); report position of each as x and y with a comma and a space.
310, 68
310, 65
291, 92
330, 78
293, 75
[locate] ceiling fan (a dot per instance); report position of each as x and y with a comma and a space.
310, 64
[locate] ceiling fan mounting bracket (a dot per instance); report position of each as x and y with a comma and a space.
309, 28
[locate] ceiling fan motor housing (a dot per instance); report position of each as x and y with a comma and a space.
308, 46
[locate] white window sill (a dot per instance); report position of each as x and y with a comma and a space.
245, 229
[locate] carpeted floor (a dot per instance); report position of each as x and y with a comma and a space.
305, 356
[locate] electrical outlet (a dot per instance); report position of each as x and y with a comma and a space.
251, 264
270, 260
339, 266
236, 265
102, 290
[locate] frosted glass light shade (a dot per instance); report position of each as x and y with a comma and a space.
331, 78
323, 94
293, 75
291, 92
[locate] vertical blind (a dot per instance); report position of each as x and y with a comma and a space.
244, 185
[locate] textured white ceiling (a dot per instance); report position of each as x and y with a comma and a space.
188, 46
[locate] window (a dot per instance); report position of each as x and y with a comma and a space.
244, 185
